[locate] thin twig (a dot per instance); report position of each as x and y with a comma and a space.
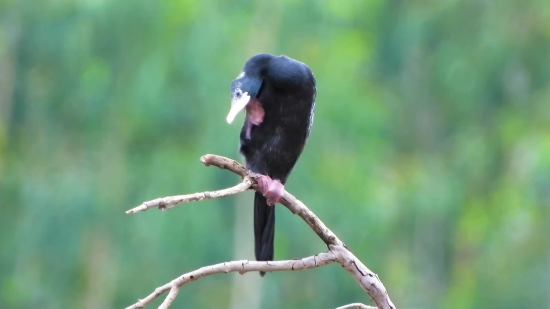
368, 280
168, 202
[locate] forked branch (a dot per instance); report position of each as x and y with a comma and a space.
337, 251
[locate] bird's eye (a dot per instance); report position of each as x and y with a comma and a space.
238, 93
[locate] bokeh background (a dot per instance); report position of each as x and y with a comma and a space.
429, 155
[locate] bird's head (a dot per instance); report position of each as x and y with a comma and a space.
246, 88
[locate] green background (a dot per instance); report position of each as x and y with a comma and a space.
429, 156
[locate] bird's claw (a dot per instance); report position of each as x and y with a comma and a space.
272, 189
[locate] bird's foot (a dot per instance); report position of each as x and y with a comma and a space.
272, 189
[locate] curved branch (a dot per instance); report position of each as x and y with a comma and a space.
356, 306
368, 280
241, 267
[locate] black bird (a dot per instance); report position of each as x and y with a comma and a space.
278, 95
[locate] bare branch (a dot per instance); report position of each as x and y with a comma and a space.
368, 280
241, 267
174, 290
357, 306
168, 202
226, 163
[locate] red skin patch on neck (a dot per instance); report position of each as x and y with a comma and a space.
254, 115
255, 112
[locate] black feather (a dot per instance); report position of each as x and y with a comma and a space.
286, 90
264, 228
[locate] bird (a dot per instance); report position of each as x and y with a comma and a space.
278, 95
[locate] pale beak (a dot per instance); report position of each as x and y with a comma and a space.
237, 104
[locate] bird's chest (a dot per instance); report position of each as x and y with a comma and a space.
270, 145
260, 140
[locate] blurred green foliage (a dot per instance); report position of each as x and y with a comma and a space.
429, 155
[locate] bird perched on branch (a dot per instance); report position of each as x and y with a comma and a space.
278, 96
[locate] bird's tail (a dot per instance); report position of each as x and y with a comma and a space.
264, 228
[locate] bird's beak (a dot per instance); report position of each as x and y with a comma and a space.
237, 104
